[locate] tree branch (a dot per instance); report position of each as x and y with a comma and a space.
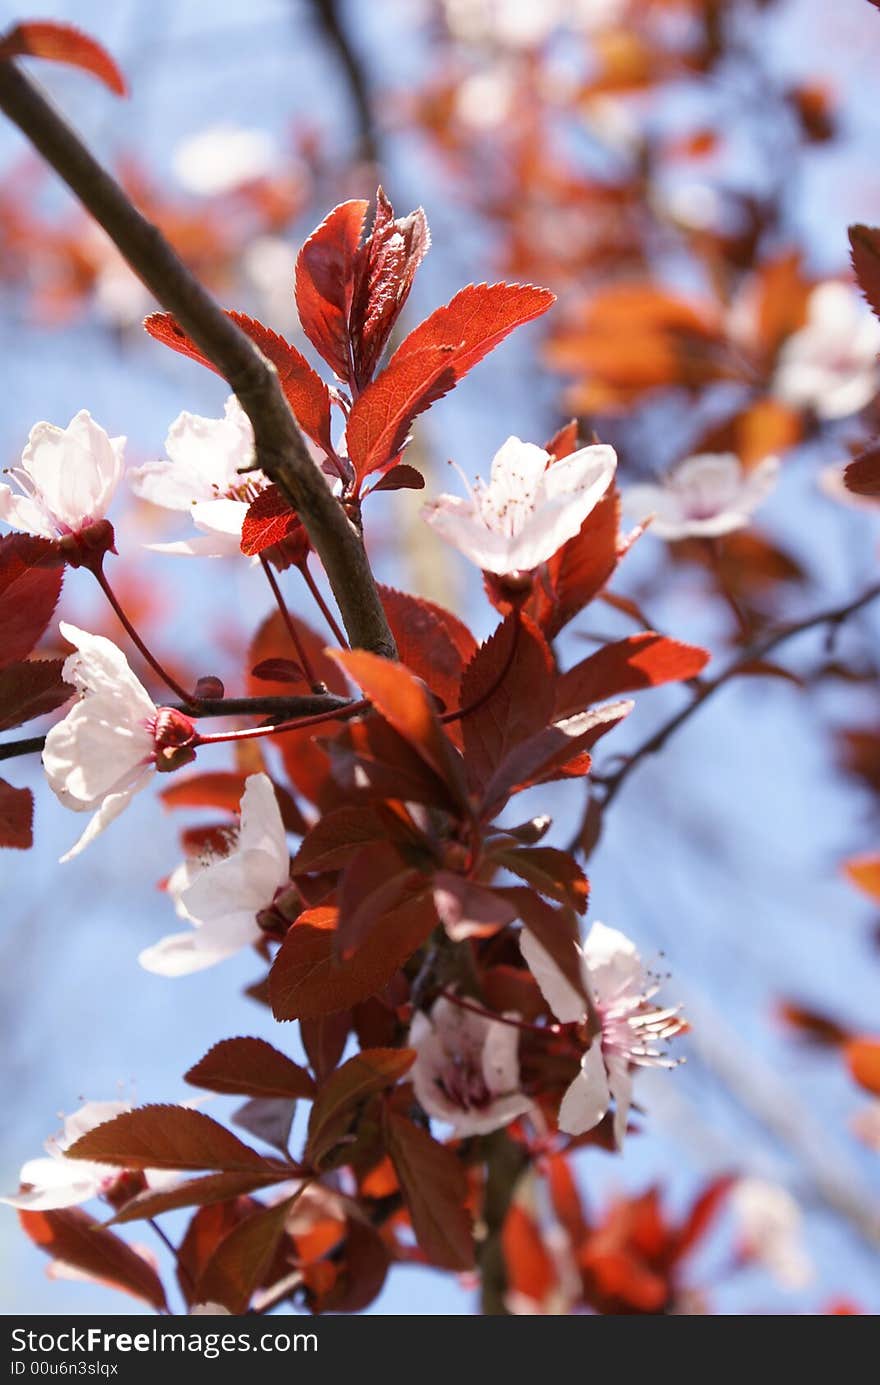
506, 1162
327, 15
281, 450
834, 617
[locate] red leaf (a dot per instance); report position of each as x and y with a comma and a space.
216, 788
566, 1199
385, 267
167, 1137
553, 872
371, 763
338, 836
325, 270
550, 753
306, 979
531, 1271
270, 520
31, 574
467, 909
250, 1067
63, 43
242, 1258
362, 1273
345, 1091
16, 817
863, 1057
304, 391
71, 1236
862, 476
431, 642
580, 569
702, 1214
400, 478
206, 1191
642, 661
405, 703
435, 1190
813, 1025
324, 1038
31, 689
510, 689
279, 671
373, 883
382, 416
865, 247
475, 321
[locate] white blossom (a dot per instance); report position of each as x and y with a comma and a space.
830, 364
66, 480
770, 1228
705, 496
466, 1071
613, 976
221, 896
202, 474
222, 158
103, 751
530, 508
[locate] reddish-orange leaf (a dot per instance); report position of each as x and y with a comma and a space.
405, 703
63, 43
367, 1073
555, 873
304, 391
325, 270
31, 573
507, 689
702, 1214
16, 817
863, 1057
31, 689
365, 1261
642, 661
167, 1137
250, 1067
71, 1236
435, 1190
270, 520
307, 980
813, 1025
382, 416
864, 872
530, 1268
477, 320
429, 642
566, 1198
553, 753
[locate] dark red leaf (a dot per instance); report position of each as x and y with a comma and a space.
31, 689
250, 1067
71, 1236
325, 269
167, 1137
400, 478
365, 1261
467, 909
385, 267
242, 1258
551, 753
435, 1190
345, 1091
508, 687
307, 980
16, 817
324, 1038
862, 476
865, 247
555, 928
702, 1214
63, 43
31, 574
194, 1192
553, 872
863, 1059
373, 883
431, 642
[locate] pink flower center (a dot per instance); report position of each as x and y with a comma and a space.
464, 1084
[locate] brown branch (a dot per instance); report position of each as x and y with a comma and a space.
833, 617
506, 1162
280, 448
327, 15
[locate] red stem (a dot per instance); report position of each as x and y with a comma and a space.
322, 605
553, 1029
314, 682
251, 733
135, 638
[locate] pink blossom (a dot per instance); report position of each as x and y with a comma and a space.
770, 1230
221, 896
621, 991
530, 508
66, 480
705, 496
202, 474
466, 1071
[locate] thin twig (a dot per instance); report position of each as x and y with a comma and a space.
280, 448
301, 652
